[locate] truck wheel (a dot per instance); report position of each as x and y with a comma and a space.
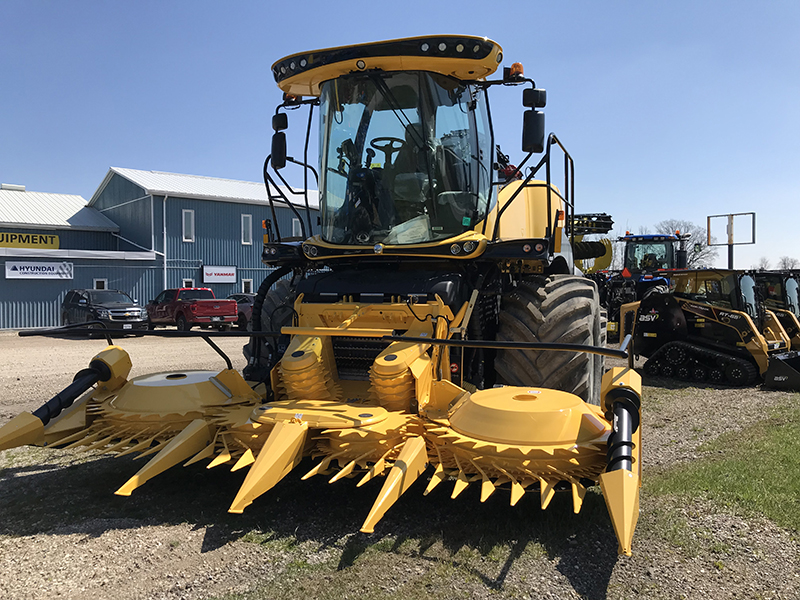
241, 322
182, 324
558, 308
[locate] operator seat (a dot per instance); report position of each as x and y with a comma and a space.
411, 174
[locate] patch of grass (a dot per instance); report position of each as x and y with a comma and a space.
756, 470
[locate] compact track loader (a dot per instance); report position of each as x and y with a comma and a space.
712, 326
780, 291
432, 326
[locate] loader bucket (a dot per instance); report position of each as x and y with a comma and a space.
783, 371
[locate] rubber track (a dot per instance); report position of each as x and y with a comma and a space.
698, 356
559, 308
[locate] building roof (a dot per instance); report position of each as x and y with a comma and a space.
42, 210
158, 183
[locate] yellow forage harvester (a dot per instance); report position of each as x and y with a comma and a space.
431, 324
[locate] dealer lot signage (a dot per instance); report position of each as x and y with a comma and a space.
38, 270
219, 274
28, 240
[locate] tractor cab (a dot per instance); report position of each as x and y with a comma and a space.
406, 158
650, 253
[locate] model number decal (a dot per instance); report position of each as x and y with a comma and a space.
648, 318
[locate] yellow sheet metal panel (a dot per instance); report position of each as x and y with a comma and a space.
526, 216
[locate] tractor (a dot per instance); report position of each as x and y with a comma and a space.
434, 326
647, 260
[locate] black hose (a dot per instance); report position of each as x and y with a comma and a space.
97, 371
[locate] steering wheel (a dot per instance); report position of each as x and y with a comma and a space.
387, 145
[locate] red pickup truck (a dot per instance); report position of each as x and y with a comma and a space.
186, 307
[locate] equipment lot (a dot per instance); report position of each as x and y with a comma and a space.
63, 533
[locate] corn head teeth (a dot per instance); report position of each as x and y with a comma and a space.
515, 438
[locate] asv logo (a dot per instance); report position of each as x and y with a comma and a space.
648, 318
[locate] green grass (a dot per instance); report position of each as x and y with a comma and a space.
755, 471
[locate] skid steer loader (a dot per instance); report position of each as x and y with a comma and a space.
712, 326
781, 293
433, 325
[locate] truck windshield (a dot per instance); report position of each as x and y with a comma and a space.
405, 158
108, 296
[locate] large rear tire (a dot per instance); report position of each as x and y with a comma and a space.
557, 309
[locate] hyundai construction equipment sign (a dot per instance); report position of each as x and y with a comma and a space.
38, 270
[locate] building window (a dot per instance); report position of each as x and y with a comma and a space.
297, 230
188, 225
100, 284
187, 283
247, 230
247, 286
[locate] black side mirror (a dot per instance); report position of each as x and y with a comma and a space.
698, 248
278, 150
533, 131
534, 98
280, 122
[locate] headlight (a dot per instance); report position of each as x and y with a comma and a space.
101, 313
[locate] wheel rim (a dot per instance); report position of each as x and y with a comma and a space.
675, 355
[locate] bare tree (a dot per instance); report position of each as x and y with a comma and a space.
699, 253
786, 262
762, 265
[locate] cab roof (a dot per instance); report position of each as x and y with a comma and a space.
461, 56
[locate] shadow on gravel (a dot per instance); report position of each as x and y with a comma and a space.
80, 499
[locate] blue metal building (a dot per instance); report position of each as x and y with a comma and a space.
141, 232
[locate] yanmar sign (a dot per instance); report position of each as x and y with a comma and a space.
38, 270
219, 274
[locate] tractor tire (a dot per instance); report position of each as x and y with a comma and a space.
276, 312
556, 309
278, 306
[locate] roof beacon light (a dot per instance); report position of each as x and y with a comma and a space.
517, 70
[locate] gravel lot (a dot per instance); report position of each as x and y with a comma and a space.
63, 534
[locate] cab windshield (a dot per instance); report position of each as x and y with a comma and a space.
649, 256
405, 158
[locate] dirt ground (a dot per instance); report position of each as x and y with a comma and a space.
64, 534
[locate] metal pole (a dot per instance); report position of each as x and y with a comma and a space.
730, 241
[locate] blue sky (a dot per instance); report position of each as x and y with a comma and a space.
677, 109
